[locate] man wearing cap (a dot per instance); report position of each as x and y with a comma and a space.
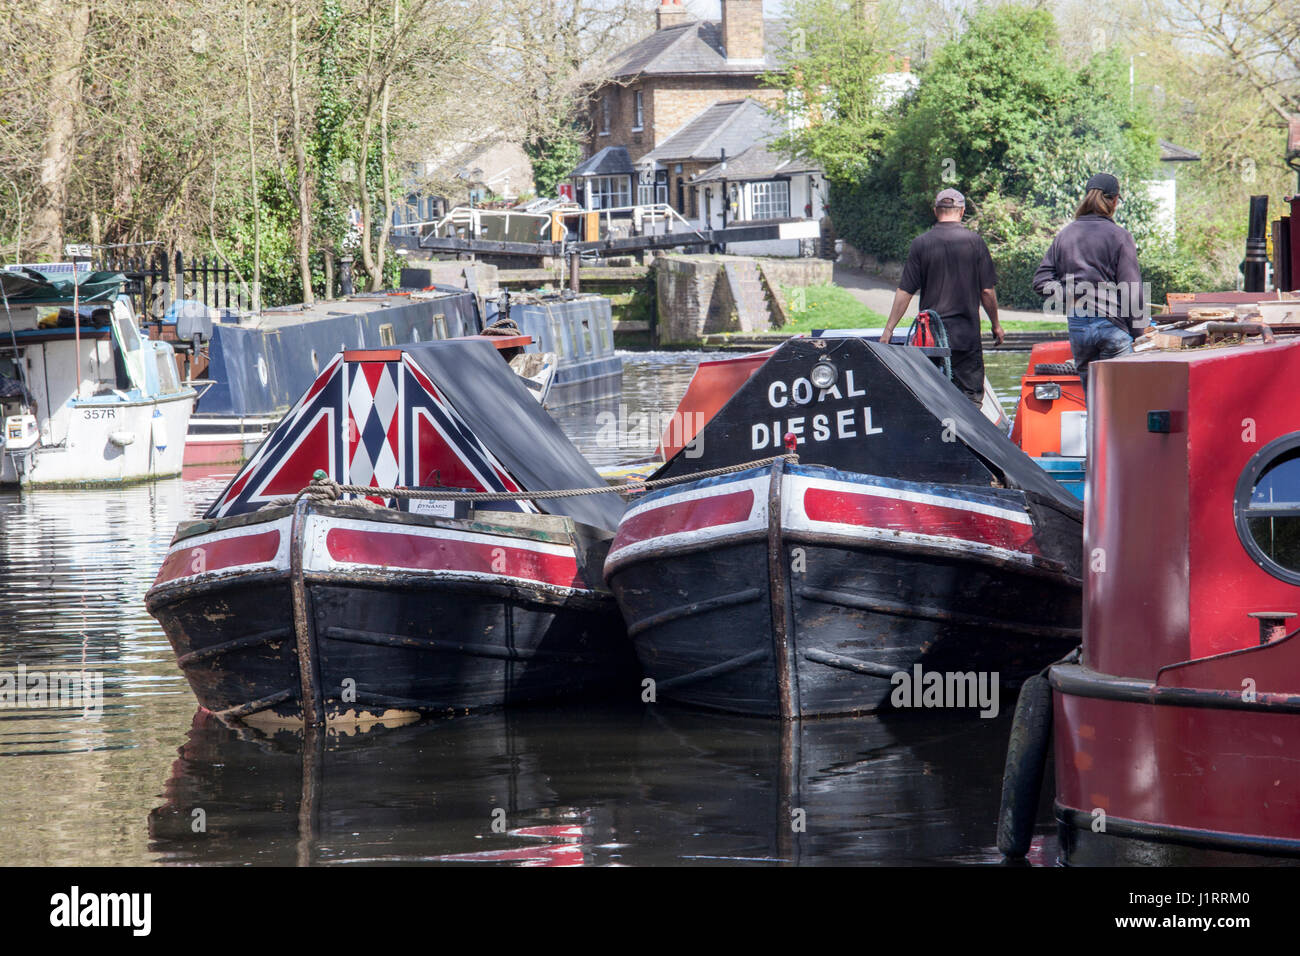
1090, 273
952, 269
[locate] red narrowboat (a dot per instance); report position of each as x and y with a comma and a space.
1177, 728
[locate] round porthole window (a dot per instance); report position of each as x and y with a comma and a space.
1267, 508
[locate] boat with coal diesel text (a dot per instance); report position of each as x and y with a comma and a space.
910, 532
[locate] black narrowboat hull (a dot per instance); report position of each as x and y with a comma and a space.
801, 591
349, 613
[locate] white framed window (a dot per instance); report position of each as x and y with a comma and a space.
639, 111
771, 199
645, 194
606, 192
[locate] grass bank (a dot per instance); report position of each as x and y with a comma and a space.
833, 307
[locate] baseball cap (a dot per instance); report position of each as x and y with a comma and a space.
1107, 183
949, 198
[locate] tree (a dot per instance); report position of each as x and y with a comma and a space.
68, 21
830, 74
1002, 115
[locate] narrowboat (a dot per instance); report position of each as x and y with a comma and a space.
578, 330
383, 606
911, 532
84, 398
1175, 728
256, 364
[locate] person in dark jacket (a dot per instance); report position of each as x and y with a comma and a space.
952, 269
1090, 274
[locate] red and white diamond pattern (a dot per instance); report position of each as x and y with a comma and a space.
373, 425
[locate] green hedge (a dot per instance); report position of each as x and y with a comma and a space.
1164, 270
878, 222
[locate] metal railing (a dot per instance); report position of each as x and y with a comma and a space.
466, 222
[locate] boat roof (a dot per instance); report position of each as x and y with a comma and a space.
28, 286
447, 413
891, 413
367, 304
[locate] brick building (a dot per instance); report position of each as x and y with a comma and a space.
691, 88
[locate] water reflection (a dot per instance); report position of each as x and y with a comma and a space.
546, 788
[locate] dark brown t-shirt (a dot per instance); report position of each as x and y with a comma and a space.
949, 265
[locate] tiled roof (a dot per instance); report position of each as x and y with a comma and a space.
694, 47
733, 125
757, 162
610, 161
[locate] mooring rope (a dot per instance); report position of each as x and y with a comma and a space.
324, 488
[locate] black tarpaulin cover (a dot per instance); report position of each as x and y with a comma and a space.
890, 413
439, 414
943, 400
508, 420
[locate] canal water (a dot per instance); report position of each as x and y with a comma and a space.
147, 778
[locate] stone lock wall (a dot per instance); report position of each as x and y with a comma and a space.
693, 297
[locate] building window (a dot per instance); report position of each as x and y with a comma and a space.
770, 200
1267, 508
645, 194
607, 192
386, 336
604, 114
639, 106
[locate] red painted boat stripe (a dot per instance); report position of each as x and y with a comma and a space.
216, 555
691, 515
915, 517
429, 553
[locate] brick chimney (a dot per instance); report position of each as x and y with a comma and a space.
742, 30
671, 13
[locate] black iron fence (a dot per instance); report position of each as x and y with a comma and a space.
156, 281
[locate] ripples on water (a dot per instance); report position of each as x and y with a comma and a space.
626, 786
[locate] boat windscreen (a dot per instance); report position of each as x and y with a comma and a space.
127, 339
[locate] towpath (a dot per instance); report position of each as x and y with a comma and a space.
878, 294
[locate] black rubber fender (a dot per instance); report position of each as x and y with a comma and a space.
1022, 778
